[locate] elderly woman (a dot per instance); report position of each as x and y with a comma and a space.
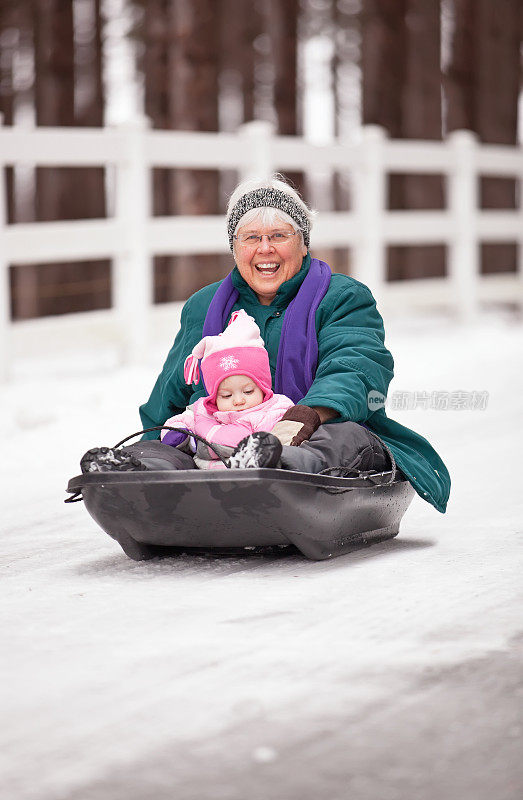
325, 341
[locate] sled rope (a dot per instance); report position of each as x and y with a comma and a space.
77, 496
177, 430
366, 474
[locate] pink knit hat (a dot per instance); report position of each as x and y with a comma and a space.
239, 350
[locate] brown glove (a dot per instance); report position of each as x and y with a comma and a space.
297, 425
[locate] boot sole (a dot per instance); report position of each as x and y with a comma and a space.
105, 459
257, 451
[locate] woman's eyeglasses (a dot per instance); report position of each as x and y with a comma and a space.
252, 239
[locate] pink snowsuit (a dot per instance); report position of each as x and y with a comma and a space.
228, 427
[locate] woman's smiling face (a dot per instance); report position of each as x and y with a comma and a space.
265, 265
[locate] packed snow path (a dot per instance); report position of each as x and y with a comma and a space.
393, 672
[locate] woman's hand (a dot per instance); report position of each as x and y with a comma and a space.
297, 425
325, 414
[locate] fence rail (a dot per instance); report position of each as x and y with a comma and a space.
133, 236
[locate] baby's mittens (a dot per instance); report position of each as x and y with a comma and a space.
175, 438
297, 425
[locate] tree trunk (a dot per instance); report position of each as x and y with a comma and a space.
482, 87
22, 287
252, 28
89, 202
383, 73
89, 107
346, 70
460, 78
383, 78
241, 24
54, 105
282, 23
421, 119
157, 35
383, 63
401, 92
69, 193
283, 29
9, 43
498, 68
54, 99
194, 72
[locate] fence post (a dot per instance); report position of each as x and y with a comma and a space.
5, 289
463, 207
132, 288
257, 163
370, 182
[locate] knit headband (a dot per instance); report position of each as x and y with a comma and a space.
268, 198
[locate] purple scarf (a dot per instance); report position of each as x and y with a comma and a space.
298, 351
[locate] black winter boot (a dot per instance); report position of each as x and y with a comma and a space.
107, 459
256, 451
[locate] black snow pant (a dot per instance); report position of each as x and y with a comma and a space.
346, 445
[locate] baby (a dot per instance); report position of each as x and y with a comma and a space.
236, 374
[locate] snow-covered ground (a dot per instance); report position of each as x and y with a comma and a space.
393, 672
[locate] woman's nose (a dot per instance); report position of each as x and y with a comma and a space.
265, 244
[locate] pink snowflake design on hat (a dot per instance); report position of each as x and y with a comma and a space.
229, 362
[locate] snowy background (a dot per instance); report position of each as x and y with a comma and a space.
393, 672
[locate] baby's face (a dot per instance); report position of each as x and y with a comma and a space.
238, 392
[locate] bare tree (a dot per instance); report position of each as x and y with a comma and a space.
156, 34
482, 87
252, 27
241, 29
241, 25
180, 63
499, 74
383, 59
282, 27
383, 63
402, 92
459, 78
69, 193
89, 200
193, 102
10, 24
89, 102
12, 30
346, 86
53, 39
54, 98
421, 119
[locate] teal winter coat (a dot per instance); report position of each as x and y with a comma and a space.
353, 365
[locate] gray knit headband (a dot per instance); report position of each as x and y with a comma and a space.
268, 198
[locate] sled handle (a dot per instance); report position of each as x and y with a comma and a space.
75, 498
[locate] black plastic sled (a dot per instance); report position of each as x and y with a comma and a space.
321, 515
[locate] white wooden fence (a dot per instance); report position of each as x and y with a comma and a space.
132, 236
